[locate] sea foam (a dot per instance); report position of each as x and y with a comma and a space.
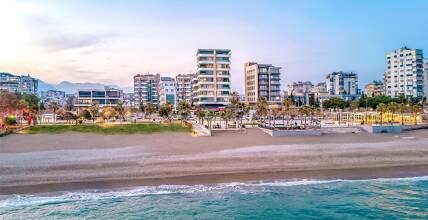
240, 187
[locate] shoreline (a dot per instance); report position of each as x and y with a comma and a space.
208, 179
73, 161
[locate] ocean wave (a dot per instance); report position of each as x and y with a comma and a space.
242, 187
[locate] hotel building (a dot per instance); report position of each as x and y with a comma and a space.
18, 84
211, 86
146, 89
404, 73
262, 80
167, 91
343, 85
184, 87
103, 97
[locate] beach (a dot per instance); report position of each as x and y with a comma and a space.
74, 161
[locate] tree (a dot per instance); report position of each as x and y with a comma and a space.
354, 105
210, 116
287, 103
149, 109
200, 114
165, 111
68, 116
335, 102
382, 108
183, 110
85, 115
227, 115
120, 110
402, 108
415, 110
32, 102
53, 106
262, 107
393, 108
9, 102
94, 110
108, 113
69, 103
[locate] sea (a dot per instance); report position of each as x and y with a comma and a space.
400, 198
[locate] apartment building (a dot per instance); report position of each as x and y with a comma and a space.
343, 85
404, 73
103, 97
299, 87
146, 89
18, 84
426, 77
167, 91
184, 87
262, 80
211, 86
376, 88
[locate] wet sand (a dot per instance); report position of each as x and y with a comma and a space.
71, 161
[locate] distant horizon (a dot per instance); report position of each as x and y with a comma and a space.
109, 43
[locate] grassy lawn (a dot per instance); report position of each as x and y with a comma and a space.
108, 128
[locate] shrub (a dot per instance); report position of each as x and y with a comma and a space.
10, 120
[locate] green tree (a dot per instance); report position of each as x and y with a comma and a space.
165, 111
120, 109
200, 114
262, 107
287, 103
402, 108
94, 110
335, 102
149, 109
393, 108
183, 110
108, 113
382, 108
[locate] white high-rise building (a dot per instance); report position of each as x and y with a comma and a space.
343, 85
184, 87
167, 91
426, 77
262, 80
404, 73
211, 86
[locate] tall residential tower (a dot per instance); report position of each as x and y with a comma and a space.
343, 85
262, 80
404, 73
211, 86
184, 87
146, 89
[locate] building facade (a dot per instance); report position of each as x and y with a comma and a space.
262, 80
211, 85
146, 89
343, 85
426, 77
374, 89
103, 97
300, 87
18, 84
184, 87
167, 91
404, 73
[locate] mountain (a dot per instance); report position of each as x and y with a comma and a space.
71, 88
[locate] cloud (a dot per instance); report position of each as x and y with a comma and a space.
52, 37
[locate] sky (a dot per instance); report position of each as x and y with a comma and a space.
110, 41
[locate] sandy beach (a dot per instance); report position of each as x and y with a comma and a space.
72, 161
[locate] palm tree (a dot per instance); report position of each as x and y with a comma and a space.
165, 111
393, 108
183, 110
200, 114
381, 108
53, 106
227, 115
287, 103
262, 107
402, 108
210, 117
415, 109
94, 110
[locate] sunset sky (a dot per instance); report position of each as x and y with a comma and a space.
110, 41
